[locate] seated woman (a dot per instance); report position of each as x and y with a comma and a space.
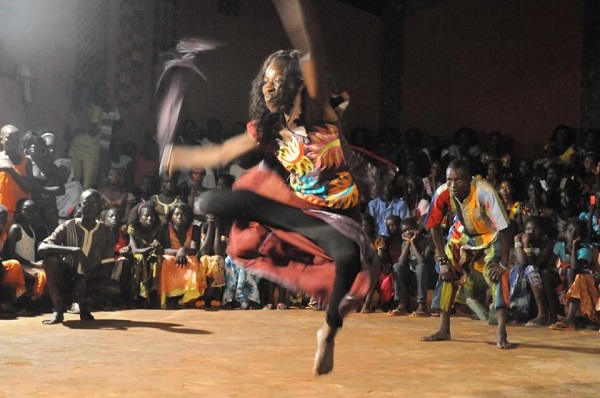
114, 194
20, 246
508, 194
570, 258
493, 173
166, 199
583, 297
181, 274
146, 251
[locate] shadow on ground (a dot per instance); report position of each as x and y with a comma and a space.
124, 324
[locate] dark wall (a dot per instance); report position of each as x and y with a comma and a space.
507, 65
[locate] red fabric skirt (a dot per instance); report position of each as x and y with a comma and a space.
289, 258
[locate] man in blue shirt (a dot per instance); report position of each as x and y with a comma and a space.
386, 205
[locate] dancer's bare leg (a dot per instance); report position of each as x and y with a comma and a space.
443, 333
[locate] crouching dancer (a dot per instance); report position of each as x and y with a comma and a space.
479, 230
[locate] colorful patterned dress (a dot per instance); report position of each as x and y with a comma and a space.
320, 184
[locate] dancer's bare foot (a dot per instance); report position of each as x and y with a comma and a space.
55, 318
324, 356
437, 336
502, 341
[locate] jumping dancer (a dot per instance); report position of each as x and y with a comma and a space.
317, 209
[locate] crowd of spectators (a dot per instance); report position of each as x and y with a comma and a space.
99, 229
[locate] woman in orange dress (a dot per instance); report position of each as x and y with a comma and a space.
181, 274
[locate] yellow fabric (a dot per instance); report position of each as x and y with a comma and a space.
214, 268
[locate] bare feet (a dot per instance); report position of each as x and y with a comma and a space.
538, 322
501, 340
437, 336
55, 318
324, 356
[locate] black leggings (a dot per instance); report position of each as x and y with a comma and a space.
248, 206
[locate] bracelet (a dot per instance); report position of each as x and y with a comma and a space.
442, 260
528, 250
518, 244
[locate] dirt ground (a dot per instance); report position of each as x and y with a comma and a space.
155, 353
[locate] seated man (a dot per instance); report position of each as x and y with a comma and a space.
387, 204
415, 266
75, 251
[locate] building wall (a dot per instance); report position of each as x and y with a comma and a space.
506, 65
46, 37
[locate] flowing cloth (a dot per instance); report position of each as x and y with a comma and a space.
288, 258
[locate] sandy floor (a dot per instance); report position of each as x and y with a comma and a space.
269, 354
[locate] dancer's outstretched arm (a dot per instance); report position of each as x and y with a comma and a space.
301, 25
182, 157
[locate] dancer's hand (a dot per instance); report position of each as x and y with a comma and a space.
446, 272
496, 271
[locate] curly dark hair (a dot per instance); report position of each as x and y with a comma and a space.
284, 99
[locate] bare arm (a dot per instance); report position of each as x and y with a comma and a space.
14, 235
206, 157
301, 25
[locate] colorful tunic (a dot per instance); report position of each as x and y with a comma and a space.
318, 171
472, 239
320, 184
